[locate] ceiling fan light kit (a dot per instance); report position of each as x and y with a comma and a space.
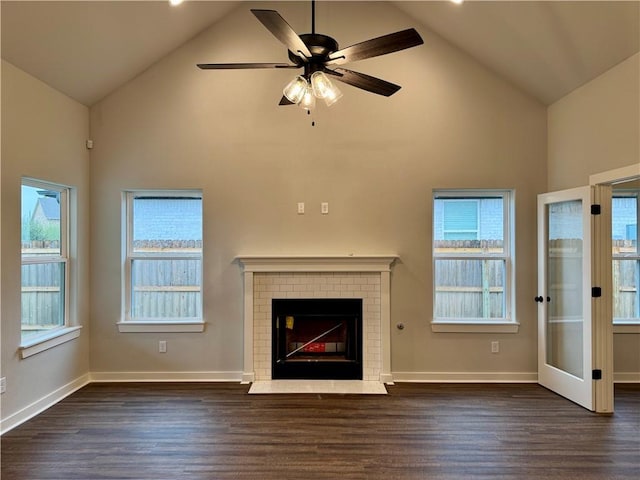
295, 89
314, 53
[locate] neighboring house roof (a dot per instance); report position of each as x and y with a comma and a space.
49, 207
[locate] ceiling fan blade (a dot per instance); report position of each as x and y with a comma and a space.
365, 82
236, 66
285, 101
283, 32
375, 47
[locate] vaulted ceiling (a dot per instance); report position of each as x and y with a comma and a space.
87, 49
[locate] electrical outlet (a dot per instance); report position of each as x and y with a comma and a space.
300, 208
495, 347
162, 346
3, 384
324, 208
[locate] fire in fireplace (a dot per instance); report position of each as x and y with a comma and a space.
317, 338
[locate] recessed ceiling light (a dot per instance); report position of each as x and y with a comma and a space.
175, 2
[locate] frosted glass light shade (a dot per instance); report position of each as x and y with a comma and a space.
308, 101
295, 89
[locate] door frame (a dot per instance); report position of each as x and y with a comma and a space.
602, 308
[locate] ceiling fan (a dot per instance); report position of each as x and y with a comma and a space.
320, 57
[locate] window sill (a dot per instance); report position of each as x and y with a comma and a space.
161, 327
474, 327
626, 327
50, 340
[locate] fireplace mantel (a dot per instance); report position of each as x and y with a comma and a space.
316, 263
322, 265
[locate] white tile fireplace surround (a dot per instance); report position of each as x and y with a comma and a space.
350, 276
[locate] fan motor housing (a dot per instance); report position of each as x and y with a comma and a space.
320, 46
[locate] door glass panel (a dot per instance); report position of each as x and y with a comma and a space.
565, 316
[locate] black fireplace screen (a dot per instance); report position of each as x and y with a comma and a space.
317, 338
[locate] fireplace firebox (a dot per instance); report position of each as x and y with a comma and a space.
317, 339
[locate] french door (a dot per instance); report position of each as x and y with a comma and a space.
568, 330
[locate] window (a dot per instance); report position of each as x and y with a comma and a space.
45, 265
163, 266
626, 258
472, 258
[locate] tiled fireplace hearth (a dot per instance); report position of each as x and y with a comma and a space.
321, 277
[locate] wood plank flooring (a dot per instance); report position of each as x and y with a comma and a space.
419, 431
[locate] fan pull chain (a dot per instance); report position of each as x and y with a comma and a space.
313, 121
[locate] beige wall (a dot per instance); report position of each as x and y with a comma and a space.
596, 129
375, 160
43, 136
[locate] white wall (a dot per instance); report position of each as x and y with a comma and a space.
375, 160
43, 136
594, 129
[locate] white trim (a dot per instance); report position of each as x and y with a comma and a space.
45, 342
248, 375
41, 405
129, 256
466, 377
385, 328
161, 327
380, 264
507, 196
616, 176
602, 307
166, 376
626, 328
626, 377
474, 327
316, 263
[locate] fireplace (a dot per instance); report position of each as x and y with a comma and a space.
317, 339
365, 279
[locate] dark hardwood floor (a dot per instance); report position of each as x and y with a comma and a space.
419, 431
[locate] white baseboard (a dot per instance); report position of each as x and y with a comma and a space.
42, 404
626, 377
466, 377
166, 376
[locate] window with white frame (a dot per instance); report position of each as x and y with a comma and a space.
626, 258
472, 256
163, 265
45, 264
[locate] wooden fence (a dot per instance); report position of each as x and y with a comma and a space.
166, 288
474, 288
625, 280
42, 300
